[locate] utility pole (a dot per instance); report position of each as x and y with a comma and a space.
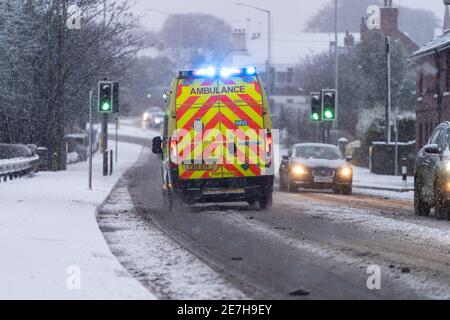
269, 44
269, 55
388, 86
59, 101
336, 62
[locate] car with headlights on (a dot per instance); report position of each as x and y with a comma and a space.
157, 119
148, 114
432, 175
316, 166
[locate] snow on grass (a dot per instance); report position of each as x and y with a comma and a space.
49, 232
170, 271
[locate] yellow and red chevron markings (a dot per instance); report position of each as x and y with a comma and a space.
231, 118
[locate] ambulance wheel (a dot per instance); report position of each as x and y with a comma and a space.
171, 200
166, 200
266, 201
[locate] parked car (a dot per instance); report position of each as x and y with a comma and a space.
316, 166
432, 175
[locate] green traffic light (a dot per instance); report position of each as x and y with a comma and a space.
106, 106
315, 117
328, 114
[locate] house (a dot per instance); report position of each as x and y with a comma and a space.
433, 84
287, 52
389, 27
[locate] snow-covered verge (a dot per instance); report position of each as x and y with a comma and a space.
363, 178
157, 261
132, 127
51, 245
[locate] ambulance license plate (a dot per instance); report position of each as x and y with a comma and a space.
223, 191
200, 167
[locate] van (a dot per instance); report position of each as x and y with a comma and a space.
216, 143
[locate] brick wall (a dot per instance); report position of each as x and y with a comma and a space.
433, 86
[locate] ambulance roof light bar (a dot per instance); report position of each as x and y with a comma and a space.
214, 72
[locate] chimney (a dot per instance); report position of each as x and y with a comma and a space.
446, 25
349, 40
389, 18
240, 40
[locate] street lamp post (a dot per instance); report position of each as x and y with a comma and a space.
336, 62
269, 44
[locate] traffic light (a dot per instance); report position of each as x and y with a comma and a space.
329, 105
105, 97
316, 107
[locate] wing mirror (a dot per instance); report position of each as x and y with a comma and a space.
348, 159
433, 149
157, 145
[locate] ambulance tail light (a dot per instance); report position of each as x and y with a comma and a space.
269, 148
173, 152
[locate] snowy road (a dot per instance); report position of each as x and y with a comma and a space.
310, 245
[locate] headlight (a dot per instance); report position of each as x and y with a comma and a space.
447, 167
158, 121
298, 170
146, 116
346, 172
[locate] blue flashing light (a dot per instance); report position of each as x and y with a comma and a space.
227, 72
251, 71
212, 72
209, 72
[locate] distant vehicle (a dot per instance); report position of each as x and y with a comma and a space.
147, 115
217, 103
77, 146
432, 175
316, 166
157, 119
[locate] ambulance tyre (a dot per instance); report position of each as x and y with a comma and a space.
171, 201
266, 201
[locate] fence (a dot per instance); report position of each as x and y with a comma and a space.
16, 161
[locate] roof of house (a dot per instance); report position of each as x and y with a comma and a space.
439, 43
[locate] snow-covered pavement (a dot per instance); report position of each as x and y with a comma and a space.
50, 243
363, 178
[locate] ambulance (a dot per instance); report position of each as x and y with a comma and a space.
216, 143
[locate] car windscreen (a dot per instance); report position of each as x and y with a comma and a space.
318, 152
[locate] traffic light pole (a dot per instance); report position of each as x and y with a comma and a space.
323, 131
105, 143
117, 137
91, 137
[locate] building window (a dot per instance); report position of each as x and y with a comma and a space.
420, 90
447, 70
290, 75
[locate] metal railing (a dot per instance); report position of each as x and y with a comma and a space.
19, 162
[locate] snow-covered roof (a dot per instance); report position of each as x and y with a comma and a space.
287, 50
439, 43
